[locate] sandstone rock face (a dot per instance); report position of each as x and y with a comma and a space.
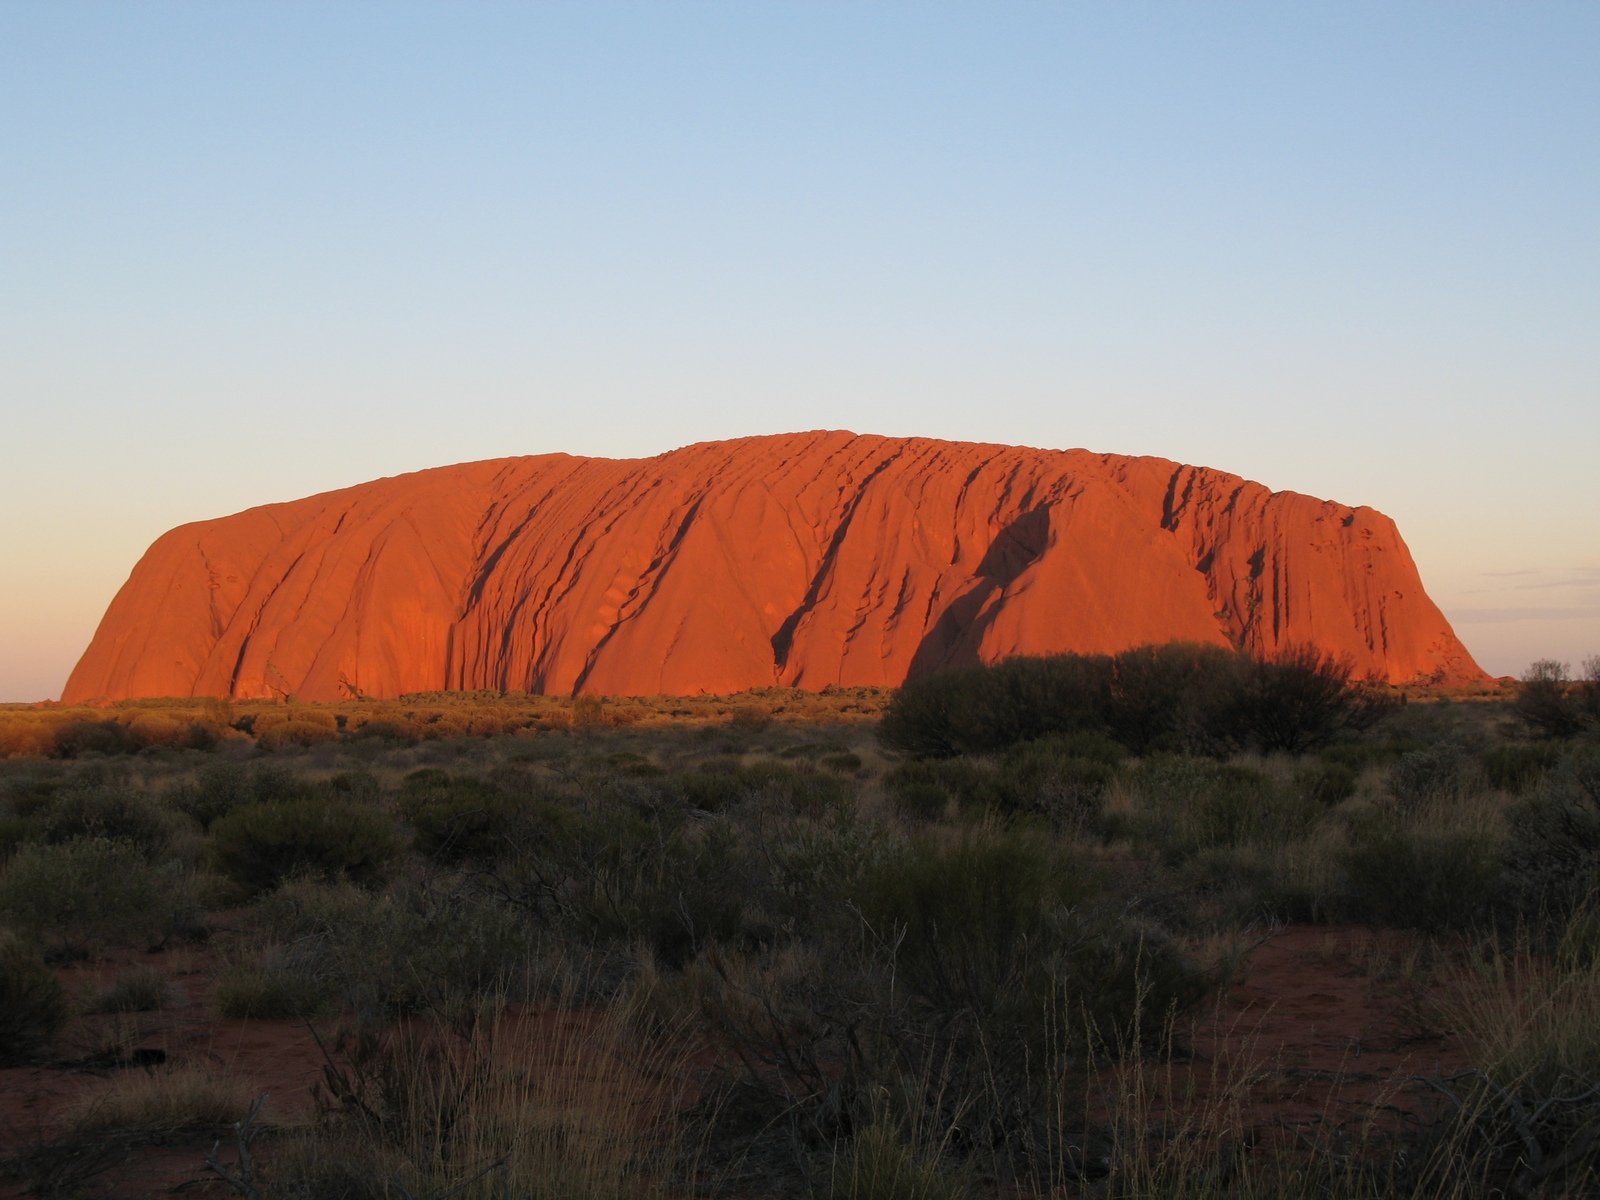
800, 560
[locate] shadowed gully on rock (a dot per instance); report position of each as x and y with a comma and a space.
798, 560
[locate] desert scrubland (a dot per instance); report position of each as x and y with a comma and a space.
1169, 924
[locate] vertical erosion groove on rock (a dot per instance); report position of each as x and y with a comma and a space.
800, 560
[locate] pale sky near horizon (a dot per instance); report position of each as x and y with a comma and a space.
253, 251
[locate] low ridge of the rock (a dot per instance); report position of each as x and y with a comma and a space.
800, 560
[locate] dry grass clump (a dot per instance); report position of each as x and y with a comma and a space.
1533, 1019
144, 989
160, 1103
552, 1104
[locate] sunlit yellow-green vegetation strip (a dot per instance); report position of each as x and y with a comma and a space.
45, 730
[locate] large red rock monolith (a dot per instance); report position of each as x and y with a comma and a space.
800, 560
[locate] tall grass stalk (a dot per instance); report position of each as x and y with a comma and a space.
1532, 1020
560, 1104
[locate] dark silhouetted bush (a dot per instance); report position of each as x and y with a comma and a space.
1174, 697
1589, 689
1298, 699
33, 1004
1181, 696
989, 708
259, 845
1548, 702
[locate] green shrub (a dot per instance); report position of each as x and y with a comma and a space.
1579, 947
1063, 778
624, 865
920, 799
714, 785
626, 762
1439, 773
457, 819
259, 845
1420, 879
29, 795
359, 787
383, 734
33, 1004
1518, 766
1122, 979
1326, 783
1298, 882
847, 762
718, 785
1552, 856
969, 914
297, 732
14, 832
93, 891
109, 812
924, 788
433, 948
676, 896
1360, 755
223, 786
1185, 804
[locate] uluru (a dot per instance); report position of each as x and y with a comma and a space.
802, 560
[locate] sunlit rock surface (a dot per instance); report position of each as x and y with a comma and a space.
799, 560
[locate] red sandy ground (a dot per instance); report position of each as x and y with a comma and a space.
1327, 1036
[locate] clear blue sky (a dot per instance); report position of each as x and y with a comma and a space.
253, 251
